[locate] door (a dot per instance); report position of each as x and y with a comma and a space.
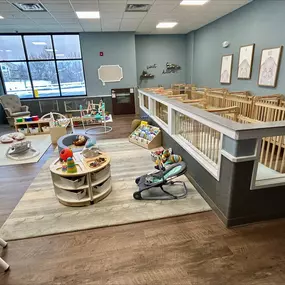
123, 101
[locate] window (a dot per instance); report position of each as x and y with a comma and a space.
41, 66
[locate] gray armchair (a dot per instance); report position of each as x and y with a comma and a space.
13, 108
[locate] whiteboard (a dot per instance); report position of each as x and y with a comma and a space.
110, 73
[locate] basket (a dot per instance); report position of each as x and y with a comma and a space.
65, 182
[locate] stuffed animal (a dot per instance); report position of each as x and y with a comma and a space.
65, 154
80, 141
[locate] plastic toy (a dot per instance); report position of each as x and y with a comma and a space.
65, 154
21, 150
174, 158
80, 141
64, 167
90, 150
90, 143
71, 167
97, 162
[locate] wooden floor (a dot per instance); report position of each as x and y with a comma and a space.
195, 249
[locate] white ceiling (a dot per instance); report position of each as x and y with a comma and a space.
61, 16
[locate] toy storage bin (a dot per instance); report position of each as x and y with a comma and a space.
95, 176
72, 183
45, 129
102, 186
23, 130
78, 195
34, 130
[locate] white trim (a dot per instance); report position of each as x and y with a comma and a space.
263, 183
199, 156
160, 123
239, 158
269, 183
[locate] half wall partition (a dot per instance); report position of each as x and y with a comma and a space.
238, 168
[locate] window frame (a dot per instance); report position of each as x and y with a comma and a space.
55, 60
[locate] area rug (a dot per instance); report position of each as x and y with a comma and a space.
39, 213
40, 143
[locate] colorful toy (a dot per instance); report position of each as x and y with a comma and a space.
97, 162
64, 167
90, 143
80, 141
166, 153
71, 167
174, 158
65, 154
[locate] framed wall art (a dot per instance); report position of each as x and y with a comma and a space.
226, 69
269, 66
245, 61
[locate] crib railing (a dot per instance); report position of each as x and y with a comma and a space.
203, 138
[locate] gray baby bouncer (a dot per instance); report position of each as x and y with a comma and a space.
160, 185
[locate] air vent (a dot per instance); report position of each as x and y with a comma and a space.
137, 7
30, 7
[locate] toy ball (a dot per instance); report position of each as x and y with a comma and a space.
174, 158
65, 154
166, 153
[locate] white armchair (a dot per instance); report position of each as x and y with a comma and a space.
13, 108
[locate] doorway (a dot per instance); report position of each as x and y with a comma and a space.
123, 101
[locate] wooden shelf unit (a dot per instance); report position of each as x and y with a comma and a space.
97, 181
27, 125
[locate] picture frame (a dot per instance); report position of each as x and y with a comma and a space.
269, 66
245, 61
226, 69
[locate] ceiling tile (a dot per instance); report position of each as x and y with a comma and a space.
85, 6
64, 15
112, 7
59, 7
134, 15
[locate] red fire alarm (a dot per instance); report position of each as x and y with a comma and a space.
101, 53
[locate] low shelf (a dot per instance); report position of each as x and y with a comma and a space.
73, 195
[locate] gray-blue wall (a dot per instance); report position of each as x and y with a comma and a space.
118, 48
261, 22
159, 49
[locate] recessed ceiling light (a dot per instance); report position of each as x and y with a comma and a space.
194, 2
39, 43
166, 25
88, 15
1, 17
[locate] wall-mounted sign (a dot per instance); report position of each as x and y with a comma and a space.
110, 73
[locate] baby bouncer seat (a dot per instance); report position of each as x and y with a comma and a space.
152, 186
